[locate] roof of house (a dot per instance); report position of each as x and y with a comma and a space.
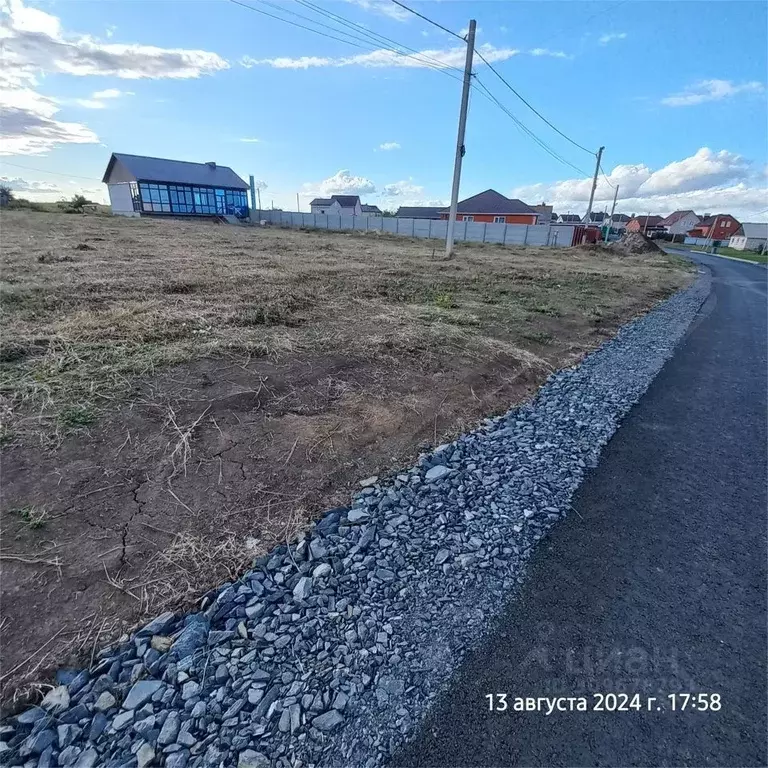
346, 201
321, 201
622, 217
652, 221
491, 201
418, 212
175, 171
710, 220
370, 208
597, 216
673, 218
753, 230
570, 217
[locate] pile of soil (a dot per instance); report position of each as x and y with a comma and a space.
634, 243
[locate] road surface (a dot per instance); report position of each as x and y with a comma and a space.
656, 586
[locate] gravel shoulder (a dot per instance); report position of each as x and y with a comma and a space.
331, 649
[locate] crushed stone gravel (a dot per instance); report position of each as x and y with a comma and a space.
329, 654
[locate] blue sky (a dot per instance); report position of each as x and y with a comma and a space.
674, 90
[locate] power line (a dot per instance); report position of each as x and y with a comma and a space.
421, 16
424, 62
531, 107
524, 128
377, 38
607, 180
54, 173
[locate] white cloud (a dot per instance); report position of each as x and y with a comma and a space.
341, 183
547, 52
259, 184
605, 39
388, 146
17, 184
383, 8
705, 181
405, 188
34, 43
446, 58
112, 93
711, 90
110, 30
251, 141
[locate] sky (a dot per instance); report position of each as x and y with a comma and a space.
674, 91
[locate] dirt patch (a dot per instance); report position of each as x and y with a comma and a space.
635, 243
183, 396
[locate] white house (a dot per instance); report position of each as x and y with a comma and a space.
680, 222
754, 238
371, 210
141, 185
338, 205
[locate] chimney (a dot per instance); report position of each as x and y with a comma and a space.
211, 165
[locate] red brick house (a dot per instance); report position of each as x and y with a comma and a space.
492, 207
645, 224
719, 227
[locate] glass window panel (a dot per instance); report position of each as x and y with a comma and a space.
163, 195
154, 195
147, 206
166, 208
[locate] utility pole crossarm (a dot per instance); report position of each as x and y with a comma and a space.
460, 139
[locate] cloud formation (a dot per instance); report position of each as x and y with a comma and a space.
383, 8
442, 59
17, 184
711, 90
341, 183
388, 146
707, 180
34, 43
609, 38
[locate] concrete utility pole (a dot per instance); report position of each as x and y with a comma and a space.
253, 196
645, 228
258, 192
460, 138
298, 204
594, 185
613, 209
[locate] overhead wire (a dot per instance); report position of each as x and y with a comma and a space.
427, 19
607, 180
54, 173
484, 90
531, 107
438, 66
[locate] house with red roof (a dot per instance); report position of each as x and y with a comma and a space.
680, 222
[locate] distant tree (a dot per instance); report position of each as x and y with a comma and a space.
6, 196
78, 201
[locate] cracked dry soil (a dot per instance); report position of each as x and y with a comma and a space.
134, 526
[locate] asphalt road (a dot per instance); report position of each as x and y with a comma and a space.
657, 586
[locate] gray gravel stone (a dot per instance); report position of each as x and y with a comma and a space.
141, 692
328, 721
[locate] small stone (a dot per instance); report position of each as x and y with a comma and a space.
170, 729
435, 473
67, 734
369, 481
317, 549
193, 636
87, 759
30, 716
356, 515
384, 574
105, 701
158, 626
249, 758
255, 695
442, 556
141, 692
189, 690
328, 721
38, 742
161, 643
145, 755
322, 570
122, 720
68, 756
303, 588
285, 721
197, 711
56, 700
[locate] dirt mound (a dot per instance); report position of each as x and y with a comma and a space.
634, 243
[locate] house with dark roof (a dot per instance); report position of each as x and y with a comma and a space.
140, 185
680, 222
371, 210
648, 225
569, 218
418, 212
492, 207
596, 217
338, 205
720, 228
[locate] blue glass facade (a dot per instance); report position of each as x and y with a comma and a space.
152, 197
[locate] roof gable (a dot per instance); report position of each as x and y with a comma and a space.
346, 201
751, 230
673, 218
159, 169
418, 212
492, 201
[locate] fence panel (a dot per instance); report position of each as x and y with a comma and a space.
473, 231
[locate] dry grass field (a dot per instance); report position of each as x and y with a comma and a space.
177, 396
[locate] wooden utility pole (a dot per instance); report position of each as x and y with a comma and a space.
460, 139
594, 185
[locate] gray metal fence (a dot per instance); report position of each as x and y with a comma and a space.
470, 231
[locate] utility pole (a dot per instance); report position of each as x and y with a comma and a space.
253, 196
594, 185
613, 209
258, 192
460, 138
645, 228
298, 204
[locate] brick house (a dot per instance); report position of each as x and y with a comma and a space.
722, 226
645, 224
492, 207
